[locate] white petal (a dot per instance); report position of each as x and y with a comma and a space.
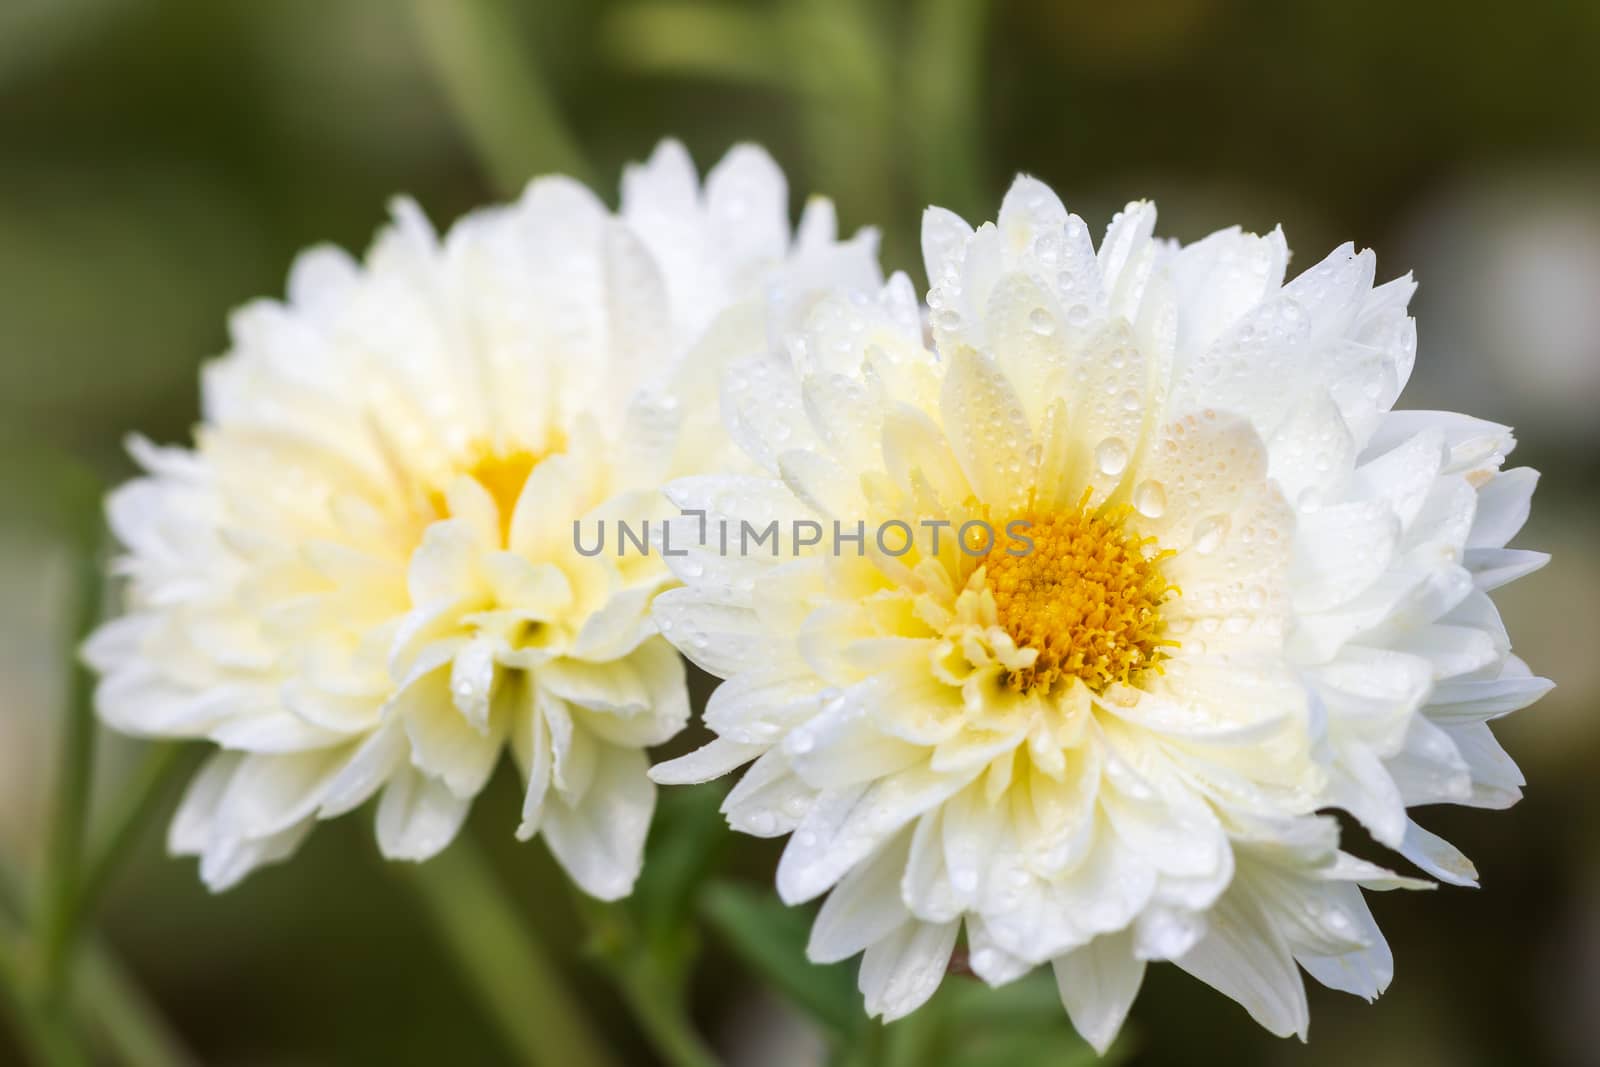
1476, 699
720, 639
1496, 780
444, 568
600, 842
648, 682
1164, 933
984, 419
758, 706
1493, 567
418, 816
747, 201
1402, 477
191, 825
847, 824
1437, 856
539, 763
1311, 447
900, 972
863, 908
991, 963
1364, 972
268, 794
842, 746
227, 859
1124, 251
1097, 984
1503, 507
925, 883
712, 760
444, 745
618, 627
770, 799
944, 242
472, 682
1242, 956
1339, 551
1222, 276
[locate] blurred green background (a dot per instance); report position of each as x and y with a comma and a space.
161, 162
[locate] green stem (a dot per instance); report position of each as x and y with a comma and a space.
122, 1014
140, 799
866, 1050
645, 981
520, 985
47, 1040
129, 1025
43, 1035
63, 863
660, 1014
477, 50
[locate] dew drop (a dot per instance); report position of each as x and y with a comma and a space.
1209, 534
1041, 322
1111, 456
1150, 499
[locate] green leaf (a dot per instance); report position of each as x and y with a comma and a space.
770, 939
701, 40
479, 53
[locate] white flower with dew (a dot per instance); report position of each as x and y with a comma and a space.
362, 580
1254, 592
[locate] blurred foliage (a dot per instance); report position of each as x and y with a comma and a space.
768, 938
164, 159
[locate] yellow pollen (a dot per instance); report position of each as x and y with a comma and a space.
1087, 597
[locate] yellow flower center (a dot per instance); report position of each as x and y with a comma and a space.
1087, 597
502, 475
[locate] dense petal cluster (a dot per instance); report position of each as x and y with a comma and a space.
361, 579
1255, 593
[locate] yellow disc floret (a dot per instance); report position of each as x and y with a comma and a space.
502, 474
1086, 596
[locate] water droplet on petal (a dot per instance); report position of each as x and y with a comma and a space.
1150, 499
1111, 456
1209, 534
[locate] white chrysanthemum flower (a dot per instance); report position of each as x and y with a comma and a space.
364, 575
1241, 590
